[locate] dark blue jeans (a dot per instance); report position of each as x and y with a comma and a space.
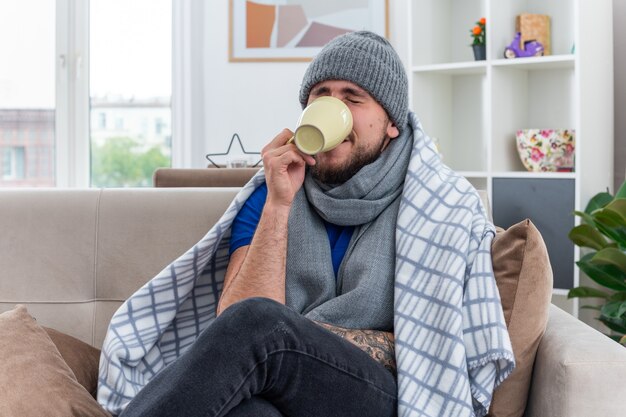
259, 358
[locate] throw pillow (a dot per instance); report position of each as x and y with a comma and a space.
82, 358
35, 379
524, 279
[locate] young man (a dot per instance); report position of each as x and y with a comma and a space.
278, 359
306, 317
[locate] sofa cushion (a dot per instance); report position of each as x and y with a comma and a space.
82, 358
524, 278
35, 379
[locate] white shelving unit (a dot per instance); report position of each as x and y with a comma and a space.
473, 108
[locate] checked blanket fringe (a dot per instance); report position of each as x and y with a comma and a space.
452, 346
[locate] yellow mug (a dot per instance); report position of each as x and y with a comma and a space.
323, 125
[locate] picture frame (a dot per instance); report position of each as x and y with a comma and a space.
296, 30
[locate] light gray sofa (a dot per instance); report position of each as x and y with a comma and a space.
73, 256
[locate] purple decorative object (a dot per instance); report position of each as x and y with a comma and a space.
531, 48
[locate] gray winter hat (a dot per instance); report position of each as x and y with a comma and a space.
369, 61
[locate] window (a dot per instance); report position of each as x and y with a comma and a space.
130, 85
77, 80
27, 93
13, 163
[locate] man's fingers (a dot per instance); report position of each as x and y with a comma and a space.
283, 156
289, 148
280, 140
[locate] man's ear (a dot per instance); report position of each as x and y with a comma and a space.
392, 131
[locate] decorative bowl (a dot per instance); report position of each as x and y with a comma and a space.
546, 149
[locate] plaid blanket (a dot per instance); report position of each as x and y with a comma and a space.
452, 346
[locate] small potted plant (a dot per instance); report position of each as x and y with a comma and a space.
603, 233
478, 34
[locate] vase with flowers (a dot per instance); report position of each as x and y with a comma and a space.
478, 34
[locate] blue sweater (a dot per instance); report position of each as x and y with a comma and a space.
248, 218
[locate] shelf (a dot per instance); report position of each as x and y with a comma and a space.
537, 63
528, 100
457, 68
474, 174
474, 108
537, 175
450, 108
478, 179
562, 23
480, 67
441, 30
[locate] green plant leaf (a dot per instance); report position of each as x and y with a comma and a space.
615, 337
611, 221
608, 276
598, 201
586, 217
587, 292
611, 256
608, 218
589, 307
618, 296
614, 310
587, 236
618, 208
618, 235
621, 193
618, 326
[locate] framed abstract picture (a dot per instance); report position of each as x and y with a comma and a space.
296, 30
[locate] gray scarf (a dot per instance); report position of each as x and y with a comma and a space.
361, 297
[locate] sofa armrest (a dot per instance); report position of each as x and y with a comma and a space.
578, 371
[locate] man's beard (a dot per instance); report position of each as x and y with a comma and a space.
339, 175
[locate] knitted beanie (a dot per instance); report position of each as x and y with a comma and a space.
369, 61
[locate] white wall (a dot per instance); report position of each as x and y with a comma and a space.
255, 100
